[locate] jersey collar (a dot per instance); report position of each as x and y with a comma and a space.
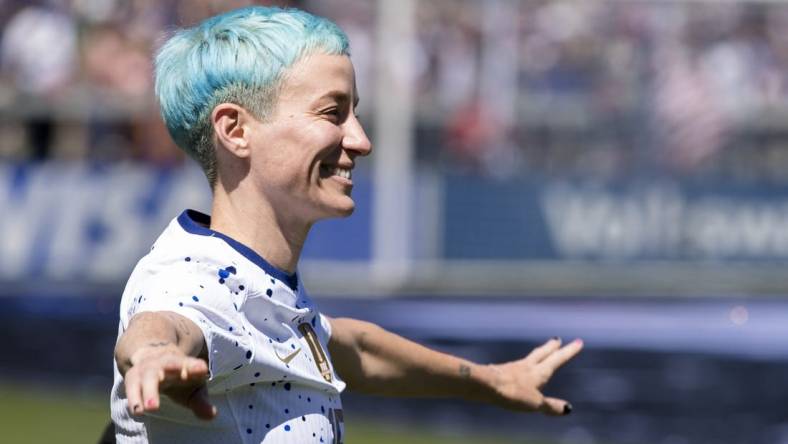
197, 223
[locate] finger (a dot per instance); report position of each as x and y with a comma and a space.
133, 392
188, 369
196, 369
151, 378
543, 351
563, 355
200, 404
193, 369
180, 371
555, 407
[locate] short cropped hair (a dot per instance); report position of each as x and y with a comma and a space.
237, 57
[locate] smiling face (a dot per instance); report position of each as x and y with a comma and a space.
302, 157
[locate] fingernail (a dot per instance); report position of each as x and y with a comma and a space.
567, 408
579, 341
150, 403
555, 338
135, 408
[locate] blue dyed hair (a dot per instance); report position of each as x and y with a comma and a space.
237, 57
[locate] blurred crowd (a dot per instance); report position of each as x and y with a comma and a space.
601, 89
76, 76
608, 88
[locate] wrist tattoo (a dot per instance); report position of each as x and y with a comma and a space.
465, 371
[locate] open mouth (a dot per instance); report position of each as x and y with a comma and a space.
333, 170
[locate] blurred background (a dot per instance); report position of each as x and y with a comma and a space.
610, 170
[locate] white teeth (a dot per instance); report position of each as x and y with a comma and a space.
341, 172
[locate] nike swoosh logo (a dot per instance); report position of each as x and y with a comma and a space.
287, 358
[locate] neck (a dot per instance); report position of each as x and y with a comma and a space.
259, 227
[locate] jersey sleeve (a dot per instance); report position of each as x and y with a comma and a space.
197, 296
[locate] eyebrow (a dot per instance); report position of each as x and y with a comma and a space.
339, 96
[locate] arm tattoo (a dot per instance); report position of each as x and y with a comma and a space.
465, 371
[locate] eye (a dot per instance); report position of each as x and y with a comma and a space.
333, 113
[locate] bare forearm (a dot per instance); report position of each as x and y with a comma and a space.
373, 360
150, 331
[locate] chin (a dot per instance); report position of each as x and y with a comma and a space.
345, 211
339, 209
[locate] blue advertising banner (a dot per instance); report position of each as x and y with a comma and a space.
660, 220
81, 223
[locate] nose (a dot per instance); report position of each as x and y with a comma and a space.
355, 138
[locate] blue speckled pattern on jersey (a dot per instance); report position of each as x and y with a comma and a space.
264, 378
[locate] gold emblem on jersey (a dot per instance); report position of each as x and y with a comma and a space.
317, 350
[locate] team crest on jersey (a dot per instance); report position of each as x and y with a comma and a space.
317, 350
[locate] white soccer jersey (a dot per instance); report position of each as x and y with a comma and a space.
271, 376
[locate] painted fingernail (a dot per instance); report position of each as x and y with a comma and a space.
150, 403
579, 341
567, 408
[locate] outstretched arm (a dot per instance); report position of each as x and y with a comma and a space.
375, 361
163, 352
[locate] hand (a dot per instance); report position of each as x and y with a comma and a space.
163, 368
518, 384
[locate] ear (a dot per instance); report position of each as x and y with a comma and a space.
230, 123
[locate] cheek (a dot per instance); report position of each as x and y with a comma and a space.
274, 166
318, 144
286, 167
278, 148
292, 156
321, 137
